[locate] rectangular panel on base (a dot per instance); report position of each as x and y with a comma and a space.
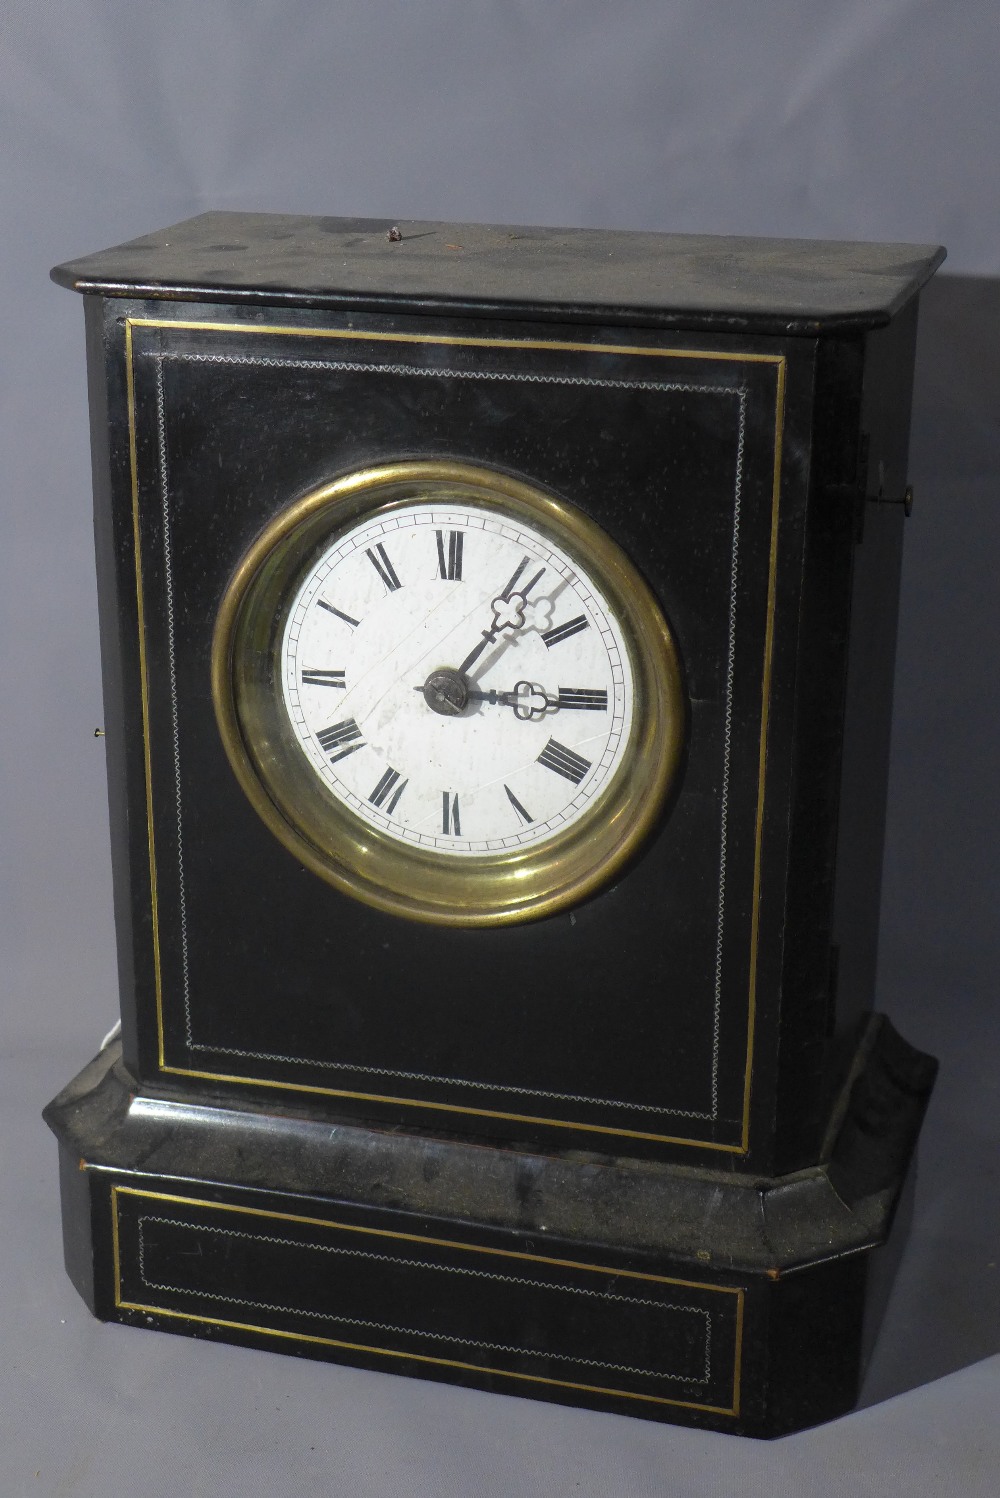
469, 1311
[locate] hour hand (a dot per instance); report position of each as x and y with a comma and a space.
531, 701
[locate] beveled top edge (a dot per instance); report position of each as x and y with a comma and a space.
725, 283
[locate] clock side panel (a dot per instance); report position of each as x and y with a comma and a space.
842, 690
884, 441
125, 739
634, 1023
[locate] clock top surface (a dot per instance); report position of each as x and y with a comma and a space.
696, 281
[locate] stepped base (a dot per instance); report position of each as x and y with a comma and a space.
740, 1304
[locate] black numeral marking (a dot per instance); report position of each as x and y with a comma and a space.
322, 603
515, 803
563, 631
596, 702
450, 823
383, 788
380, 561
324, 679
340, 737
450, 564
556, 756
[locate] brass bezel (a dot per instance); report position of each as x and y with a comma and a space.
325, 835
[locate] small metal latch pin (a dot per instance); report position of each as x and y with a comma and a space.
906, 501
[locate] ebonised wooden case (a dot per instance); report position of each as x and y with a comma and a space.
666, 1119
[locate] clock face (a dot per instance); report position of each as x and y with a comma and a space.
456, 680
448, 693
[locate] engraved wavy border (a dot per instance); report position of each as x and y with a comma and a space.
452, 1245
779, 362
542, 1095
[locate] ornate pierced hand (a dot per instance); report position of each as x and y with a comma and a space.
508, 613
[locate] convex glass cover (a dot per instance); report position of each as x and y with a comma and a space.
448, 692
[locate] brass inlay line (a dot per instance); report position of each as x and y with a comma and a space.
765, 702
446, 1243
472, 1248
738, 1354
362, 335
420, 1357
464, 1108
116, 1256
144, 684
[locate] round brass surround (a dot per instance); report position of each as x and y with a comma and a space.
324, 834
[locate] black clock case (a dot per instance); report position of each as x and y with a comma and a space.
714, 1270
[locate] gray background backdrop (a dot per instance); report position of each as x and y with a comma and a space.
849, 118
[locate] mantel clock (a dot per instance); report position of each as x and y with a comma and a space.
498, 632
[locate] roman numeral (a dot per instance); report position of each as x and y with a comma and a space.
596, 702
556, 756
450, 568
515, 803
383, 788
383, 567
563, 631
449, 815
340, 737
323, 679
322, 603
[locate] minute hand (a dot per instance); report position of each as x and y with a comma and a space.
508, 613
489, 635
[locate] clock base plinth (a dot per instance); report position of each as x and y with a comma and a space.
736, 1303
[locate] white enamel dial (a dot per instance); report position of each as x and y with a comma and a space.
456, 680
